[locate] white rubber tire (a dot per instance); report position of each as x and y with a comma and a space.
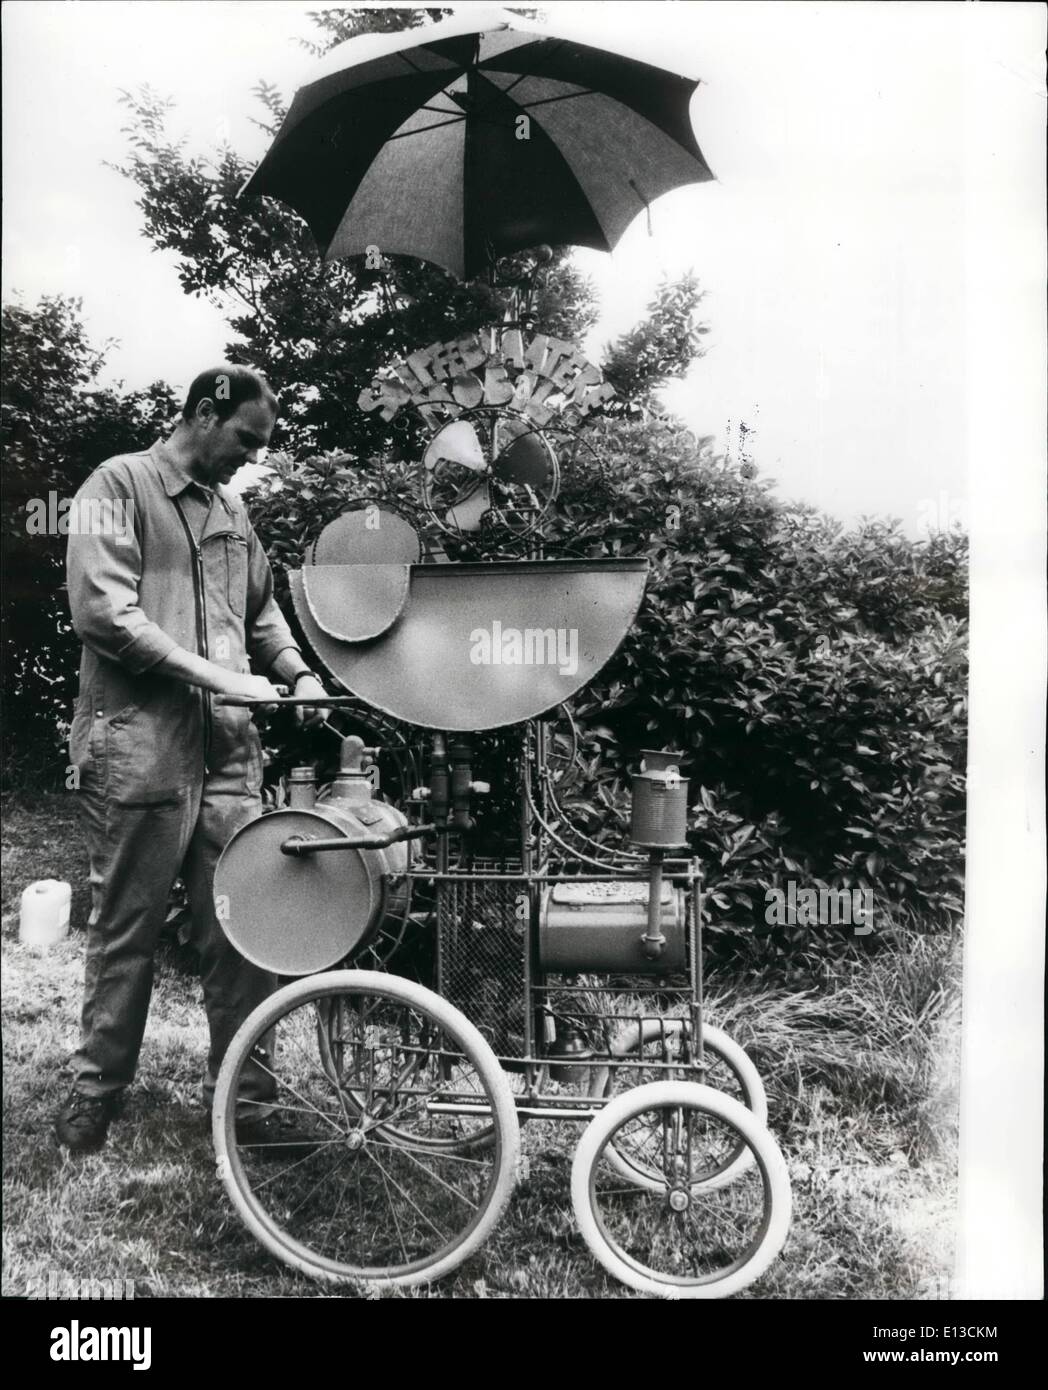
250, 1210
778, 1197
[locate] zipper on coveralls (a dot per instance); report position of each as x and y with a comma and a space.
201, 607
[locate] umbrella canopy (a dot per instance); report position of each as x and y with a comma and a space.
469, 139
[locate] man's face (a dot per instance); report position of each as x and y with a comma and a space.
224, 446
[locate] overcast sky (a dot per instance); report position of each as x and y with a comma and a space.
836, 247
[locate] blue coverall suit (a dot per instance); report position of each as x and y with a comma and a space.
166, 775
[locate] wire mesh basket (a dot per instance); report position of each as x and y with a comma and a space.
482, 926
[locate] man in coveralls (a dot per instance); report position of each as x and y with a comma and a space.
172, 612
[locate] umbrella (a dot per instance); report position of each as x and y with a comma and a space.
476, 137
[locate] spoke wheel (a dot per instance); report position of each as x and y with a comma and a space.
341, 1059
728, 1069
681, 1239
377, 1187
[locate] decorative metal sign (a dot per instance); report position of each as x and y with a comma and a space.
543, 380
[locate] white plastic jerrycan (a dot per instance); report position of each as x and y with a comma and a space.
45, 912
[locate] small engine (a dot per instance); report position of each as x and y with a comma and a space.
296, 913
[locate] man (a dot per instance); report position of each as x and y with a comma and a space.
173, 611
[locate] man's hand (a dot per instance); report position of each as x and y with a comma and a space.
309, 688
245, 687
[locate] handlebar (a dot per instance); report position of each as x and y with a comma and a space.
298, 845
328, 701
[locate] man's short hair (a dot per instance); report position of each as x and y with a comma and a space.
228, 386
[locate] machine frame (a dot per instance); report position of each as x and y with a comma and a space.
645, 1043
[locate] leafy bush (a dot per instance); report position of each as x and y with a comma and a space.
58, 424
814, 679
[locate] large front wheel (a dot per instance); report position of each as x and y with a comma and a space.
377, 1186
680, 1238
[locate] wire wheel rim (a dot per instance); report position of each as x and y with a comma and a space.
272, 1226
697, 1281
706, 1266
449, 1143
717, 1045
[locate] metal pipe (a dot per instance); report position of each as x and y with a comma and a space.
460, 782
623, 854
531, 1112
541, 1112
483, 876
653, 942
575, 854
695, 904
298, 845
328, 702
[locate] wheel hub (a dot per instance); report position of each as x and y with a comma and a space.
355, 1140
680, 1199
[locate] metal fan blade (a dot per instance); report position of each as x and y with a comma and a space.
456, 443
525, 461
466, 515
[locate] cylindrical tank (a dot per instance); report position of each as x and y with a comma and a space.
296, 914
600, 927
659, 813
302, 788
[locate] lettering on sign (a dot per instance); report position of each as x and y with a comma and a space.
544, 379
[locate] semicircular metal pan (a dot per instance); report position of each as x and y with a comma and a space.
353, 603
481, 646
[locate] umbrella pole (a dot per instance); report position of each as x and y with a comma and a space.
521, 290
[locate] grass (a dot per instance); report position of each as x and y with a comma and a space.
861, 1076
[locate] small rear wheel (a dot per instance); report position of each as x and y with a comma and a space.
382, 1081
666, 1041
680, 1238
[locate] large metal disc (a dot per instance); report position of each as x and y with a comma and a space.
293, 915
367, 536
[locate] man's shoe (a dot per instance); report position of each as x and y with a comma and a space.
83, 1122
275, 1136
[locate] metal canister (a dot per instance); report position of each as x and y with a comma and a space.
571, 1047
659, 814
302, 788
603, 926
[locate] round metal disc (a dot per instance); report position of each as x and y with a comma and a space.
294, 915
368, 536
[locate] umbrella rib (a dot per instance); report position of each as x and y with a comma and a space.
519, 78
566, 96
550, 52
438, 110
433, 110
413, 66
437, 125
